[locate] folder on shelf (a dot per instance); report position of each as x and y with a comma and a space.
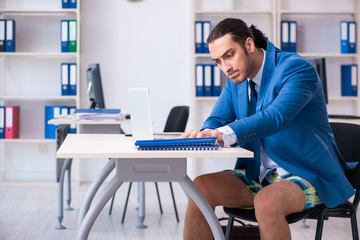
349, 80
73, 4
64, 32
178, 144
207, 79
198, 36
284, 35
72, 79
64, 79
50, 113
216, 83
2, 35
206, 28
199, 80
72, 36
2, 122
12, 122
344, 36
65, 3
292, 36
10, 35
352, 37
72, 128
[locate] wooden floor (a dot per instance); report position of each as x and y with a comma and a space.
28, 211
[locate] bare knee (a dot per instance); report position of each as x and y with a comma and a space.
267, 207
207, 186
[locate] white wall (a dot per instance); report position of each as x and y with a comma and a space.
143, 44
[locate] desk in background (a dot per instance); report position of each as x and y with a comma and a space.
63, 166
137, 166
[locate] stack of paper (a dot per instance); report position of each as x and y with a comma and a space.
98, 114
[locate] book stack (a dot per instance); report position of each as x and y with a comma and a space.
208, 80
9, 122
192, 144
348, 36
55, 112
98, 114
7, 35
68, 79
202, 31
68, 35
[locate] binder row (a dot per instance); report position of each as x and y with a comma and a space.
69, 3
68, 35
348, 37
288, 36
9, 122
54, 112
68, 79
202, 31
192, 144
7, 35
208, 80
349, 80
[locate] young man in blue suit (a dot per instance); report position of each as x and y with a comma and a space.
296, 163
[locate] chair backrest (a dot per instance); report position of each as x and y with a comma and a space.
177, 119
347, 136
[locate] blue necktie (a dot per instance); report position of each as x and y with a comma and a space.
252, 99
253, 166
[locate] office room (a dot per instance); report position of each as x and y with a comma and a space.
156, 45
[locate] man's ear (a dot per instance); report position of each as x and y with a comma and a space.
250, 45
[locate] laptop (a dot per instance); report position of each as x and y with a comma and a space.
141, 121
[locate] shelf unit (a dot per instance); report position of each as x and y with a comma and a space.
315, 26
313, 41
38, 55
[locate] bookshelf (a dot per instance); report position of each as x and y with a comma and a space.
31, 78
318, 35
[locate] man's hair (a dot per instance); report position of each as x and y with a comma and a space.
239, 32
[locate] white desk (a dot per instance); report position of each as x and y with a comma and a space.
63, 165
137, 166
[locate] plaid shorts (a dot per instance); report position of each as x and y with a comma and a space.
312, 198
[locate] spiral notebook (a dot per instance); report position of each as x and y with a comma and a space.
178, 144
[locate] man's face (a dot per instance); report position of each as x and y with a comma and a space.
231, 58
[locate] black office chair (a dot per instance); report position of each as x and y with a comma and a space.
347, 137
176, 122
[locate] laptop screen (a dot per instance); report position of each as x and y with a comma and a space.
139, 107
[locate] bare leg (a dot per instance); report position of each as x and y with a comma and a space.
272, 204
220, 189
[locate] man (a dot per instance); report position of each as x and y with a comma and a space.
296, 163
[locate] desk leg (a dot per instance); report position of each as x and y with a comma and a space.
189, 188
66, 163
141, 188
94, 187
104, 197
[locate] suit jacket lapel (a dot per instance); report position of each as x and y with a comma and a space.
269, 67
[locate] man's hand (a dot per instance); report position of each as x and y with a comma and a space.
203, 133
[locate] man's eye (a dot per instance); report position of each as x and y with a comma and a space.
230, 55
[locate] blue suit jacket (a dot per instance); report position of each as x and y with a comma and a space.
291, 122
